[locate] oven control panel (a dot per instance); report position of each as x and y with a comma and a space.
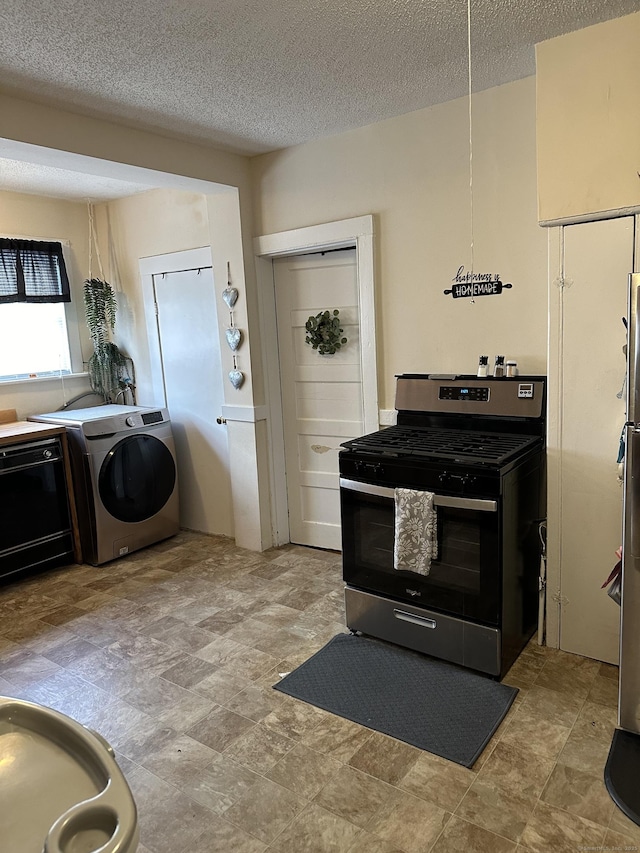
496, 397
479, 394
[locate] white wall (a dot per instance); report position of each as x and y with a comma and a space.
152, 223
160, 222
40, 218
412, 173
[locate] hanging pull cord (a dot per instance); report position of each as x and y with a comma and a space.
93, 241
470, 139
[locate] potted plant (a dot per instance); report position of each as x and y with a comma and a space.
111, 372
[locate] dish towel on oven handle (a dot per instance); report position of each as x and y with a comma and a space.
416, 531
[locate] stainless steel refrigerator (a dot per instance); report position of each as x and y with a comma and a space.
622, 772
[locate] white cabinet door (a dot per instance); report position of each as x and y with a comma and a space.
588, 120
321, 394
587, 367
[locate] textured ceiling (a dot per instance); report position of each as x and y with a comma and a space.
20, 176
256, 75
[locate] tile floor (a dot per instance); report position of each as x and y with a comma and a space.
171, 654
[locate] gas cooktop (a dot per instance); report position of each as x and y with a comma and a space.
456, 445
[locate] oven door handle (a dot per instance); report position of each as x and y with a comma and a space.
28, 465
438, 500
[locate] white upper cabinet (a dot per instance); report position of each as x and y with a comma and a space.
588, 121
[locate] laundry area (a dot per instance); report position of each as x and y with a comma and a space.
317, 437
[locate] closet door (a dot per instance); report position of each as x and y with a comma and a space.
588, 300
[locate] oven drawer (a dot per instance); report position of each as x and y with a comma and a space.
445, 637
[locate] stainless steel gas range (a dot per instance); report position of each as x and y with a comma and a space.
476, 446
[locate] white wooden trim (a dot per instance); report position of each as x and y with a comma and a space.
329, 235
190, 259
359, 233
554, 439
614, 213
275, 425
72, 313
368, 351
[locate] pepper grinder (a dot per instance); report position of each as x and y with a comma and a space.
483, 363
498, 369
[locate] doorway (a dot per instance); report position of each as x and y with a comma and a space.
182, 326
357, 236
321, 394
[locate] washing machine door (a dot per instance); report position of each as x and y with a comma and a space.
137, 478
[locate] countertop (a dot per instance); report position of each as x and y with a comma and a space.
21, 431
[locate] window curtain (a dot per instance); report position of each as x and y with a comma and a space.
32, 271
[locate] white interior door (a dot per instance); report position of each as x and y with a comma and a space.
588, 503
322, 397
187, 327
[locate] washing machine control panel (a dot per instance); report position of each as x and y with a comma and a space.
116, 422
152, 418
139, 419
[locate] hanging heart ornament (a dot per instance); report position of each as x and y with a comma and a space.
236, 377
230, 296
234, 338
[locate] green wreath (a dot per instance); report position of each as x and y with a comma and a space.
324, 332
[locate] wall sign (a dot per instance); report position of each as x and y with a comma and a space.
469, 285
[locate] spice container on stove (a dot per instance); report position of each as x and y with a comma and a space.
483, 363
512, 368
498, 369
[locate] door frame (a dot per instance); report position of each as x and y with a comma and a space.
357, 233
191, 259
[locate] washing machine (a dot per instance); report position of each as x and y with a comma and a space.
125, 478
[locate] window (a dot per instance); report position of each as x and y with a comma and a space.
33, 341
34, 287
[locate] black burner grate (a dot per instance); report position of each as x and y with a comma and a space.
459, 445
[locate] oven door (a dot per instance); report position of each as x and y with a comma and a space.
465, 579
35, 525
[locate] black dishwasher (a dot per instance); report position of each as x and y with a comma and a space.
35, 523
